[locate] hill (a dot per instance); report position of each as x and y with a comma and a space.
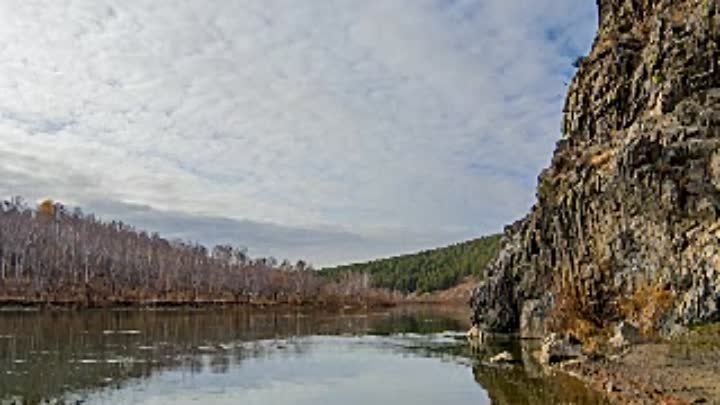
429, 270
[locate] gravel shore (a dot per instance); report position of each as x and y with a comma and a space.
683, 371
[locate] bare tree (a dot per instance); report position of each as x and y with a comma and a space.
51, 254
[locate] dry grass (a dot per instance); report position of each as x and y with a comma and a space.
601, 159
573, 317
647, 307
585, 310
678, 15
588, 315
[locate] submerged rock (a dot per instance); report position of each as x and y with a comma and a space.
632, 196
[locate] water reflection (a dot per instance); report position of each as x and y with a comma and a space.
409, 355
513, 386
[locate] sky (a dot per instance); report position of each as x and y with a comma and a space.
328, 130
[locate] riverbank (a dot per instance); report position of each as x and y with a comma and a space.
682, 371
458, 295
195, 303
209, 305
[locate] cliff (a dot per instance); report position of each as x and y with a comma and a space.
626, 223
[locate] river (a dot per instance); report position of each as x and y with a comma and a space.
261, 357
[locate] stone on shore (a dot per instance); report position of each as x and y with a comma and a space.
556, 349
626, 334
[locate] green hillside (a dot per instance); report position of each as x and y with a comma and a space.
430, 270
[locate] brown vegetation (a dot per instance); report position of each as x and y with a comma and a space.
49, 255
587, 311
570, 316
646, 307
683, 370
584, 310
602, 159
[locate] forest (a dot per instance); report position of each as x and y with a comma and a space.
52, 255
427, 271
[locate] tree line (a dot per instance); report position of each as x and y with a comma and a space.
50, 254
427, 271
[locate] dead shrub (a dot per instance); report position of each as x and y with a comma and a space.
584, 309
647, 306
569, 316
601, 159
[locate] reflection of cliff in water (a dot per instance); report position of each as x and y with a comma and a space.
524, 383
44, 355
514, 386
530, 384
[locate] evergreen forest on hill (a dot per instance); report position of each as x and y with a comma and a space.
429, 270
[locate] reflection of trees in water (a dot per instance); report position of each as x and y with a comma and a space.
219, 363
530, 383
76, 351
411, 323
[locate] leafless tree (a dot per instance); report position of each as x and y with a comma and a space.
51, 254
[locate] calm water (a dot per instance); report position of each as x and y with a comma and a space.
259, 357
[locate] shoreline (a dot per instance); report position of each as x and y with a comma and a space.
681, 371
9, 306
457, 295
647, 375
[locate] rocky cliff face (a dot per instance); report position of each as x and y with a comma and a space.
632, 196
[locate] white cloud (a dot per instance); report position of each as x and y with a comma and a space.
427, 118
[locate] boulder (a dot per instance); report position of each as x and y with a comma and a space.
556, 349
502, 358
532, 320
625, 335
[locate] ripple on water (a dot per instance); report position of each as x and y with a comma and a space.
121, 332
249, 358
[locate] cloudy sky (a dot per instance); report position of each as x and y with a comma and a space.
333, 130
